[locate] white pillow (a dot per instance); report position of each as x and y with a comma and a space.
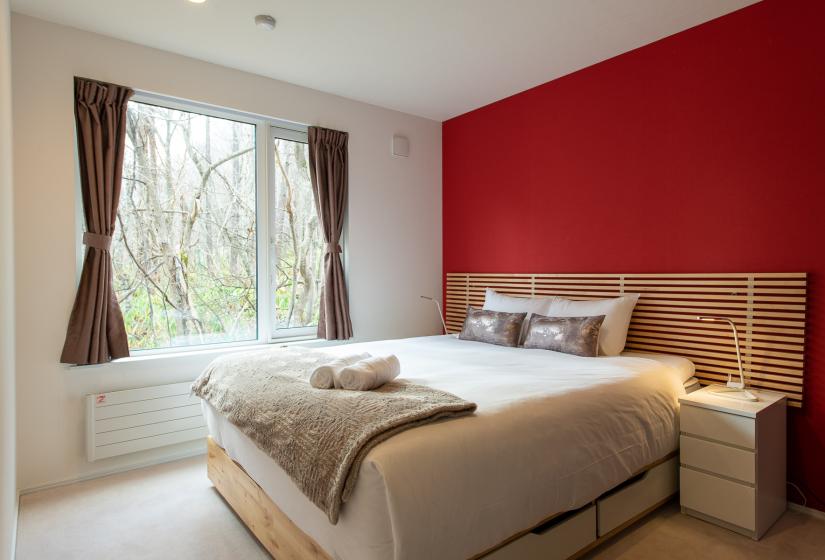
494, 301
617, 312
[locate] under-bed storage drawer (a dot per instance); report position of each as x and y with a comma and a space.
719, 426
719, 498
625, 503
558, 542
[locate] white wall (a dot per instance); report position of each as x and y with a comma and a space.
394, 235
8, 484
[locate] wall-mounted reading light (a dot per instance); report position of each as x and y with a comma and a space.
733, 389
438, 309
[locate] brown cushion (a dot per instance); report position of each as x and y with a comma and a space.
492, 327
571, 335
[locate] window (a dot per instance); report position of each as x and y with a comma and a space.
297, 240
186, 258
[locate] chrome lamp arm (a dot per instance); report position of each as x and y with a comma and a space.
438, 308
733, 389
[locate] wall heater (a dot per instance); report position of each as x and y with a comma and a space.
133, 420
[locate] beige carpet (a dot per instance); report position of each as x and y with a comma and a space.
169, 511
172, 511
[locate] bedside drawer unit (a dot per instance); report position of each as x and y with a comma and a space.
732, 456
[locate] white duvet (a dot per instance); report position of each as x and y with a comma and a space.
551, 433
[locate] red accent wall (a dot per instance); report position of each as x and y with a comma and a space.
702, 152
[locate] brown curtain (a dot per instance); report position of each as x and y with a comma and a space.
96, 333
328, 170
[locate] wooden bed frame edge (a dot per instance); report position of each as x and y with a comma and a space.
284, 540
274, 530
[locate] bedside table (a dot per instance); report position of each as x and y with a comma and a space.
732, 456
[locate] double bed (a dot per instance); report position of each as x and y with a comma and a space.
562, 452
552, 432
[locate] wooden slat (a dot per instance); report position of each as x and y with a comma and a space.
768, 308
778, 366
656, 314
762, 341
691, 327
719, 345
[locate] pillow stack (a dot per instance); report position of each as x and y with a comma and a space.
616, 311
585, 328
494, 301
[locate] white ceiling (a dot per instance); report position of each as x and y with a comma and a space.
432, 58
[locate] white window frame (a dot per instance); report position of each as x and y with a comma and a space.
266, 130
279, 132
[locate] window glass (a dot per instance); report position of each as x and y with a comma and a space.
296, 239
184, 251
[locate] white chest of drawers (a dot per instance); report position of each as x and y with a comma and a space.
733, 460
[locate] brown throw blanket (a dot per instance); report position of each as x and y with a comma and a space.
318, 436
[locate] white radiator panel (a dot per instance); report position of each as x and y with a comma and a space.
133, 420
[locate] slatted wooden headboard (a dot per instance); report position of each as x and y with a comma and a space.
768, 309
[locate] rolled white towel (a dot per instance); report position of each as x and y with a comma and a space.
369, 374
324, 375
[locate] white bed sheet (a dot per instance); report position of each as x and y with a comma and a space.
551, 433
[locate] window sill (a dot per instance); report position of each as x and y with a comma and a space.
206, 352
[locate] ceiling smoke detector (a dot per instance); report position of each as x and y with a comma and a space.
265, 21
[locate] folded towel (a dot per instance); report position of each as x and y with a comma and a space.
323, 377
369, 374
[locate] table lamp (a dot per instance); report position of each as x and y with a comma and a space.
438, 308
733, 389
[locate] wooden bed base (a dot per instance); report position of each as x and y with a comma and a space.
562, 536
277, 533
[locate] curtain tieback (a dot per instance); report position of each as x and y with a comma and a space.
97, 240
333, 248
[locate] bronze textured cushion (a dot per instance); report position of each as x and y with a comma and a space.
571, 335
492, 327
